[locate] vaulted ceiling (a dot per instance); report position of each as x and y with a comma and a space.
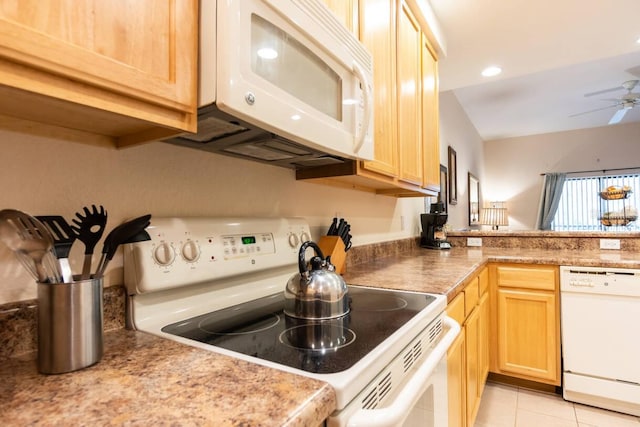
552, 53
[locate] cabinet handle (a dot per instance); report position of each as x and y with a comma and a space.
368, 107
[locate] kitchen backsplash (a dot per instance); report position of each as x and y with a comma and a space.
18, 319
545, 239
50, 177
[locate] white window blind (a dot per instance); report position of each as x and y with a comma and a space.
582, 209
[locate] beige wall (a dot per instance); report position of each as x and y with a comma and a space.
42, 176
513, 166
458, 132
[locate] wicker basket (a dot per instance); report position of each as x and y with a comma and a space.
617, 220
615, 195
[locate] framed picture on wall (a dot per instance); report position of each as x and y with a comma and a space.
453, 177
443, 196
474, 200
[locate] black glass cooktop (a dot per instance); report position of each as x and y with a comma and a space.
260, 329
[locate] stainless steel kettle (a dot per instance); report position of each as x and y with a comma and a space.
318, 293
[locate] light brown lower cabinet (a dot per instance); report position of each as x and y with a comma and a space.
467, 359
525, 331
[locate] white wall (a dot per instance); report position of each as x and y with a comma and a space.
513, 166
458, 132
43, 176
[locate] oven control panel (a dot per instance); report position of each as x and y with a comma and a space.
187, 251
237, 246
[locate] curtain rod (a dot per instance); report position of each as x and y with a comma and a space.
598, 170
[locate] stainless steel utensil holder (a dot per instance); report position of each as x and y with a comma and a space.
69, 325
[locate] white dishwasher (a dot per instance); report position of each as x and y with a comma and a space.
601, 337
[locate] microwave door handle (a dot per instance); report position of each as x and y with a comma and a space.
368, 106
397, 411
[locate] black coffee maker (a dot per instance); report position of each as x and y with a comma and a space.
433, 233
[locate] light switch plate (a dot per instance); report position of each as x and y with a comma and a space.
474, 241
609, 243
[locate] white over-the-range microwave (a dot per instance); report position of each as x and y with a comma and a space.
281, 82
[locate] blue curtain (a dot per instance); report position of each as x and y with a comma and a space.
550, 199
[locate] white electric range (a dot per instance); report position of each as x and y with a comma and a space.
217, 284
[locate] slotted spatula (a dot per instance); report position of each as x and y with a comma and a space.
63, 237
127, 232
89, 229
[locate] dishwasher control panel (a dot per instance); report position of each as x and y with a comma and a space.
598, 280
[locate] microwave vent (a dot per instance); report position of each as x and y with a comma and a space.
221, 133
211, 128
318, 161
260, 152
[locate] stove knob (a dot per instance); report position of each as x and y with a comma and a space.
190, 251
304, 237
293, 240
163, 254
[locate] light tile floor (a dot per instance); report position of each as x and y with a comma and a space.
507, 406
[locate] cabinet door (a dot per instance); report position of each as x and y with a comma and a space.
527, 334
134, 58
430, 127
377, 33
483, 342
472, 331
456, 377
409, 46
346, 11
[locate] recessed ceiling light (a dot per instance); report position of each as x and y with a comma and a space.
638, 41
491, 71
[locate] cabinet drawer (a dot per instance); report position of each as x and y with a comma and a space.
471, 296
538, 277
455, 309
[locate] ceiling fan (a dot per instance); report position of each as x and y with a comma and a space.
625, 103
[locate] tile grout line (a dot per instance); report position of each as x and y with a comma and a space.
515, 422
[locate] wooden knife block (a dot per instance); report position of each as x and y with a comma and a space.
333, 246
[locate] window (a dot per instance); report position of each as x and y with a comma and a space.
582, 208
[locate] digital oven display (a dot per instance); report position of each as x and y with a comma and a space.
248, 240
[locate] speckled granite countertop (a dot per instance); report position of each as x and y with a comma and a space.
146, 380
442, 271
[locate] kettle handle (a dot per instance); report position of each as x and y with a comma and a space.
302, 264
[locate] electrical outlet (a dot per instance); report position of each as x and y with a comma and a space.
609, 243
402, 223
474, 241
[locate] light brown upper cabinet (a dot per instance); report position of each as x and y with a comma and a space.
406, 146
114, 73
346, 11
409, 87
430, 118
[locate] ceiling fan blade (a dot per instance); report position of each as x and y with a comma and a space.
603, 91
616, 100
618, 116
593, 111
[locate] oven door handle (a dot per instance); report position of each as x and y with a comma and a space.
395, 413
